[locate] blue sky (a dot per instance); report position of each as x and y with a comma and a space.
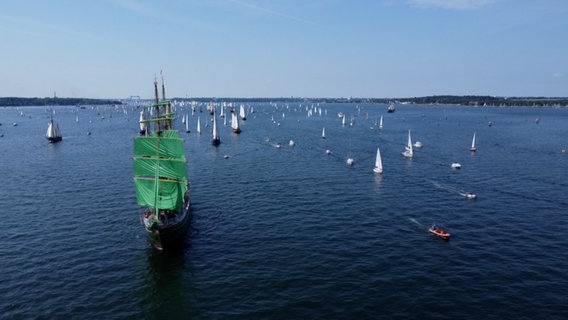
283, 48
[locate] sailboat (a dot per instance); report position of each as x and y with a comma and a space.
408, 149
187, 124
235, 123
381, 123
323, 133
160, 178
53, 133
198, 125
242, 113
143, 124
216, 140
473, 148
378, 162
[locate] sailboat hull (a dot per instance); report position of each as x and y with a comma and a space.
54, 139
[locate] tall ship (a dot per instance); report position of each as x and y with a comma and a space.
160, 177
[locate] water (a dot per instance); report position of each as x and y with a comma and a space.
290, 232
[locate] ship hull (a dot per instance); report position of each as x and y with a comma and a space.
164, 238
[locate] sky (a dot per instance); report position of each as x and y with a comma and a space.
284, 48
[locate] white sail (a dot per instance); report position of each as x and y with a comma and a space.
216, 139
186, 124
53, 133
142, 123
242, 113
381, 123
378, 162
198, 125
235, 123
473, 144
50, 130
323, 133
215, 134
408, 149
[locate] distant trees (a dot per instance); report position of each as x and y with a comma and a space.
469, 100
22, 102
490, 101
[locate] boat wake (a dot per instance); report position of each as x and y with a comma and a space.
442, 187
453, 190
416, 222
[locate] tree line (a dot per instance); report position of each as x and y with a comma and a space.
469, 100
24, 102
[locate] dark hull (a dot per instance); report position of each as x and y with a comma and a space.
216, 142
171, 236
55, 139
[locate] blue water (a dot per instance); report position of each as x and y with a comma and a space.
290, 232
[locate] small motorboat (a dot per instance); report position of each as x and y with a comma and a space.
456, 166
470, 195
418, 144
439, 232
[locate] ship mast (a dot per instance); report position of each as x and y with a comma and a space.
168, 114
163, 86
156, 105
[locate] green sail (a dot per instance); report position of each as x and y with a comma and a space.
163, 147
168, 168
169, 193
162, 160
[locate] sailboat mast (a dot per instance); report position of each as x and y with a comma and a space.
157, 184
157, 176
168, 124
163, 87
156, 106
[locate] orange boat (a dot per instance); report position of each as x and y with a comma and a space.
440, 232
